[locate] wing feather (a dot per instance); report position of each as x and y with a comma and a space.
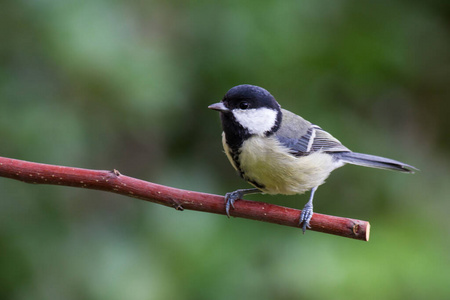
303, 138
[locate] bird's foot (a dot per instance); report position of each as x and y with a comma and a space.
305, 217
230, 198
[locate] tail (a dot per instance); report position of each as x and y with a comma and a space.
373, 161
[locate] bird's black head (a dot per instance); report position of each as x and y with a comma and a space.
246, 97
248, 110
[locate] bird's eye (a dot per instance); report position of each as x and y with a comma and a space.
244, 105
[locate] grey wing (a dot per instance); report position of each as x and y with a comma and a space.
303, 138
326, 142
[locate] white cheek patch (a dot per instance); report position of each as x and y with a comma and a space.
256, 121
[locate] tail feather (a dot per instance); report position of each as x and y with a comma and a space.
373, 161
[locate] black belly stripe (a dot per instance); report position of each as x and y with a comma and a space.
235, 156
257, 184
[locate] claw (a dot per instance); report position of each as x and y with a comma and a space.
230, 198
307, 211
305, 217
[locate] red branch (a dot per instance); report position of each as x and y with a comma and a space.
113, 181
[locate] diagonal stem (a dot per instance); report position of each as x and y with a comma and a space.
113, 181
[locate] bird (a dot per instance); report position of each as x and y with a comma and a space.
279, 152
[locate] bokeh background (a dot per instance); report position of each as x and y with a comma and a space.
125, 84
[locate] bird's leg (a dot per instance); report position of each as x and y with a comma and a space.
307, 211
230, 198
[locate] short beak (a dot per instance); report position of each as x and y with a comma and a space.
219, 107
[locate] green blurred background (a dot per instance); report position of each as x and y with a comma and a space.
126, 84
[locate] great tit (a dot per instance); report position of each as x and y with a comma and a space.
279, 152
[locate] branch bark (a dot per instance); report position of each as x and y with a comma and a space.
113, 181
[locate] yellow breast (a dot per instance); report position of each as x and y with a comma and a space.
265, 161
